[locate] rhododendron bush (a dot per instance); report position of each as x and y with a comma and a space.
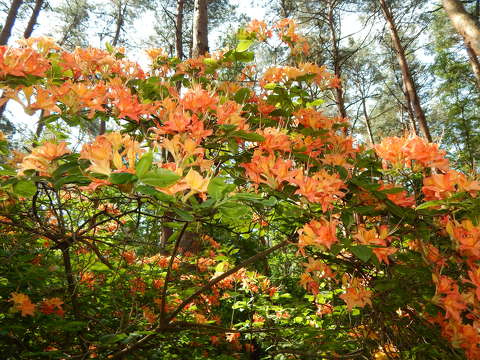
224, 215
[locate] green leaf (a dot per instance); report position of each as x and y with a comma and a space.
160, 177
70, 167
270, 86
233, 210
363, 252
245, 56
184, 215
144, 164
72, 179
242, 95
429, 204
25, 188
109, 47
248, 197
122, 178
249, 136
217, 188
271, 201
317, 102
243, 45
112, 338
148, 190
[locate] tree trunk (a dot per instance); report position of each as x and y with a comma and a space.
200, 28
464, 23
33, 18
122, 8
367, 121
411, 90
473, 59
339, 96
179, 30
120, 20
10, 21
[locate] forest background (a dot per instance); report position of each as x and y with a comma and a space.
350, 37
305, 186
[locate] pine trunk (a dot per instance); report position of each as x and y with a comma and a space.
474, 63
409, 84
10, 21
200, 28
179, 30
339, 93
464, 23
33, 18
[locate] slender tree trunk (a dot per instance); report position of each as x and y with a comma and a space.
122, 8
411, 116
179, 30
75, 22
33, 18
26, 34
367, 121
473, 59
410, 88
120, 21
464, 23
200, 28
339, 94
10, 21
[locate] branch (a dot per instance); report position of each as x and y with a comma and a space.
169, 270
146, 338
226, 274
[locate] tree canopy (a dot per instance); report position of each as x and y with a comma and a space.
228, 211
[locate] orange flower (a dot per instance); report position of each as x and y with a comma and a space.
259, 29
356, 295
230, 337
318, 266
51, 306
400, 152
199, 100
275, 140
22, 303
22, 62
269, 169
467, 237
42, 158
149, 315
230, 113
399, 198
322, 187
438, 186
321, 233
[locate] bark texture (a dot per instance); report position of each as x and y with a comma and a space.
474, 63
409, 85
33, 18
464, 23
200, 28
10, 21
337, 66
179, 30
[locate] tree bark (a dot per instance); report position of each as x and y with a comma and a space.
120, 20
367, 121
474, 63
200, 28
409, 84
464, 23
179, 30
339, 94
10, 21
33, 18
122, 8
